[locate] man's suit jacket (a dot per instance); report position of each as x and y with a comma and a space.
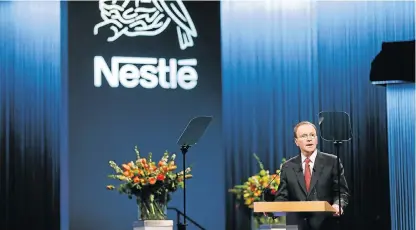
323, 187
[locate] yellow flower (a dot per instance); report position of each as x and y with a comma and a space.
187, 176
248, 202
251, 189
110, 187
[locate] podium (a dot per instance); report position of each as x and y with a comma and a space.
290, 206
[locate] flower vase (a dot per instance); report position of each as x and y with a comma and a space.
260, 221
152, 207
152, 215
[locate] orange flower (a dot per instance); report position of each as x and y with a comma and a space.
161, 177
152, 180
141, 173
154, 168
165, 169
136, 180
171, 168
126, 173
161, 163
143, 160
125, 167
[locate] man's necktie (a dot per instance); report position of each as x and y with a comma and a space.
307, 174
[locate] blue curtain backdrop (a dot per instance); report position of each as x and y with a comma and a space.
30, 115
401, 126
284, 62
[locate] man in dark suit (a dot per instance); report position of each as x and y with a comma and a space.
311, 176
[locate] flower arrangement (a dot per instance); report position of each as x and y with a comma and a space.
259, 187
149, 182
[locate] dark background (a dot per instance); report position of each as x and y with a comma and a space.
31, 115
106, 123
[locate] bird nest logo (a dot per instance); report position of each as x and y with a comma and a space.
134, 18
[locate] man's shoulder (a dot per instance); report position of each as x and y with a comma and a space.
328, 155
328, 158
291, 162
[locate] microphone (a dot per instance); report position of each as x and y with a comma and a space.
267, 187
315, 194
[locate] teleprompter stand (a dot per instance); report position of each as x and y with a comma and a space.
336, 128
189, 137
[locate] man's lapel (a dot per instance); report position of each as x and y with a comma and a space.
318, 167
299, 173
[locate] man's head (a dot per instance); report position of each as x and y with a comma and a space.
305, 137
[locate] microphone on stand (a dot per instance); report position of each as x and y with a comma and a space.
266, 189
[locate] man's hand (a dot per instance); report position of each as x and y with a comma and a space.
336, 207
